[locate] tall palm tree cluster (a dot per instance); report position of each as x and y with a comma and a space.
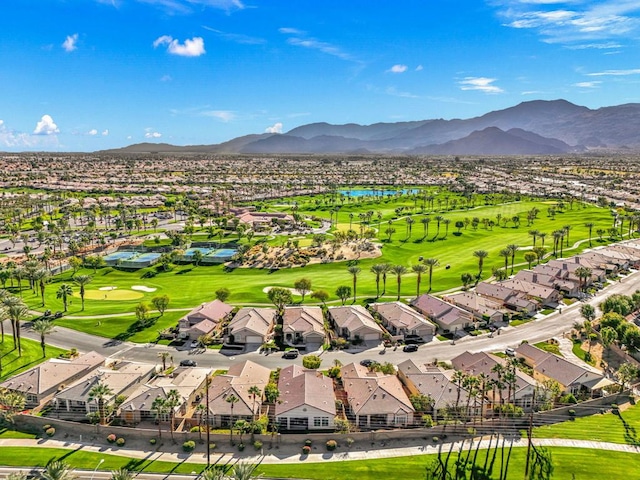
12, 308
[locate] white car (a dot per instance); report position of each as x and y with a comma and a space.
194, 344
510, 352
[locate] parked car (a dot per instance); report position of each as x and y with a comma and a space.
290, 354
188, 363
366, 362
47, 313
57, 315
412, 347
510, 352
194, 344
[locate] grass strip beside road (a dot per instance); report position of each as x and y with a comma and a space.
12, 364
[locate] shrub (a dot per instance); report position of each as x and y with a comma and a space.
435, 439
46, 427
350, 441
152, 441
331, 445
120, 442
572, 413
306, 450
569, 398
195, 429
212, 446
189, 446
241, 446
50, 431
307, 442
111, 438
257, 444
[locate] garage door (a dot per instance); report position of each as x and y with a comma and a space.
371, 336
254, 339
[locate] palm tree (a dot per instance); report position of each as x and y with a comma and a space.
255, 392
419, 269
583, 274
431, 263
17, 311
101, 392
399, 270
164, 356
377, 269
513, 249
425, 226
480, 255
160, 407
232, 400
64, 292
506, 253
40, 277
43, 327
82, 280
173, 400
354, 271
534, 234
590, 226
57, 470
385, 267
122, 474
439, 218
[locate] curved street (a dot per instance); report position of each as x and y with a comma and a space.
554, 324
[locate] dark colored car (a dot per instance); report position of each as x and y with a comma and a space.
57, 315
410, 348
188, 363
290, 354
366, 362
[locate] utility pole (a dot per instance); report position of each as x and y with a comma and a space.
208, 427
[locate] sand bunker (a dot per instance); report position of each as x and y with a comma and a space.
292, 290
143, 288
107, 288
122, 294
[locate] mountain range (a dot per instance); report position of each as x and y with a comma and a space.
537, 127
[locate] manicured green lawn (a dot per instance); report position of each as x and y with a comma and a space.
605, 427
121, 327
567, 461
6, 433
549, 347
188, 286
580, 353
12, 364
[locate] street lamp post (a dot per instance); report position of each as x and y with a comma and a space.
97, 466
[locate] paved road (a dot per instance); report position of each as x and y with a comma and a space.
538, 330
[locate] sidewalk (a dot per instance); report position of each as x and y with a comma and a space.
287, 455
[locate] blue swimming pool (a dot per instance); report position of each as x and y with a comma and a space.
375, 192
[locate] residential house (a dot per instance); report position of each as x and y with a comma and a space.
354, 322
307, 400
75, 401
375, 400
521, 392
401, 320
435, 382
188, 382
573, 378
251, 326
264, 220
303, 327
236, 383
204, 319
572, 264
447, 316
38, 384
510, 299
485, 310
566, 287
546, 296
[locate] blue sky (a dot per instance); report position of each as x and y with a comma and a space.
85, 75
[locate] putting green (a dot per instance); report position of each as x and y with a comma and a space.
110, 295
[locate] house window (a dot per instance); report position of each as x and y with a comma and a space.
320, 421
401, 420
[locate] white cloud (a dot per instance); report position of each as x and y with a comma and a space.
186, 6
193, 47
419, 68
482, 84
152, 135
594, 84
275, 128
300, 39
615, 73
237, 37
12, 140
92, 132
105, 132
398, 68
581, 21
166, 78
69, 44
224, 115
46, 126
